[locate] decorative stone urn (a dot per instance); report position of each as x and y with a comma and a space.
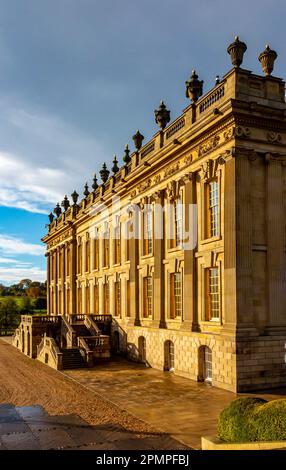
86, 190
115, 167
126, 156
162, 116
57, 210
138, 139
51, 217
236, 51
74, 197
267, 59
104, 173
94, 183
65, 203
194, 87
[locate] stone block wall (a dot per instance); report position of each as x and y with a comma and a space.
186, 352
261, 363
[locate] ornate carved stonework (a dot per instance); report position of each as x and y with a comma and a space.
208, 146
241, 131
209, 168
170, 170
188, 159
157, 179
274, 137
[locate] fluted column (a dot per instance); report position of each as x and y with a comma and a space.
73, 267
243, 229
159, 255
276, 244
48, 283
190, 320
134, 318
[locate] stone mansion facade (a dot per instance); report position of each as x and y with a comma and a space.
215, 311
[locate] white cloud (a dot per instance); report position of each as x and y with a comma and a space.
13, 274
41, 159
13, 245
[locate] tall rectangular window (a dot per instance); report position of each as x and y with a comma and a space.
117, 288
117, 245
68, 260
178, 223
106, 299
147, 296
96, 253
106, 249
212, 294
148, 231
79, 259
176, 295
96, 298
128, 298
212, 209
87, 256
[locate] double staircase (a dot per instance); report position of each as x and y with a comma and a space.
79, 342
72, 359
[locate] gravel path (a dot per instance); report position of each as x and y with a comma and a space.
24, 381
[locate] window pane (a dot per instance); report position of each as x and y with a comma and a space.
213, 208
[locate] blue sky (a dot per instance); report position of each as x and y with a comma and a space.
78, 77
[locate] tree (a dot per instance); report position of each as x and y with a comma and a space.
8, 314
25, 283
25, 305
34, 292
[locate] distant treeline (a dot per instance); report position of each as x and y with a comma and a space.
25, 287
26, 297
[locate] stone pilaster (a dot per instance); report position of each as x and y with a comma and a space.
134, 274
159, 255
276, 244
190, 319
243, 230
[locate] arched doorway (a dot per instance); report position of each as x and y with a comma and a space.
23, 341
169, 356
116, 342
28, 343
205, 364
142, 349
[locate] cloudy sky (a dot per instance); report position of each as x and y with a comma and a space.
78, 77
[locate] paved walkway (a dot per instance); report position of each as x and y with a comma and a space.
31, 428
184, 408
67, 415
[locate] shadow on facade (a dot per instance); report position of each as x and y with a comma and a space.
121, 347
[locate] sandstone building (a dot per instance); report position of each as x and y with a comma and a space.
215, 312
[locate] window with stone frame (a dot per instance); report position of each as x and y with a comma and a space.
106, 299
96, 253
79, 300
128, 298
128, 240
147, 297
96, 297
79, 258
68, 260
212, 208
106, 249
87, 299
176, 295
87, 255
117, 244
177, 223
147, 230
117, 297
212, 294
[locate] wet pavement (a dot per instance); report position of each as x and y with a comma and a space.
31, 428
184, 408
